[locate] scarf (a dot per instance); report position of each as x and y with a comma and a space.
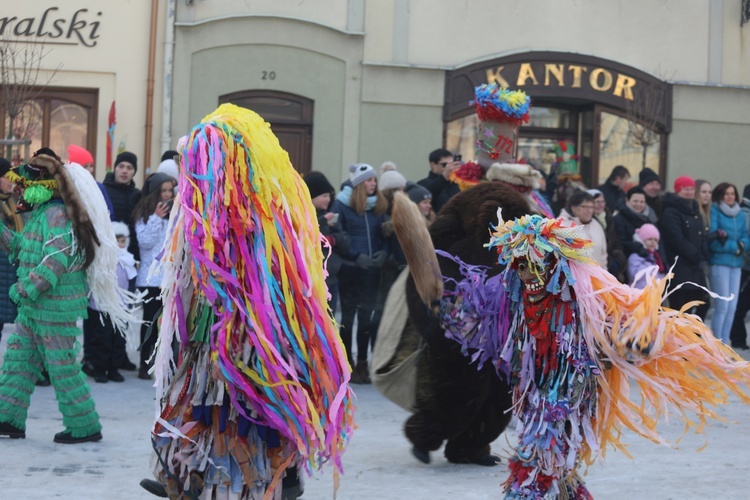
729, 211
127, 261
658, 261
345, 197
602, 218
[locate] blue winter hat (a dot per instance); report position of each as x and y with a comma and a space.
360, 172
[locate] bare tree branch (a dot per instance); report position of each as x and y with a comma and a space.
642, 117
21, 67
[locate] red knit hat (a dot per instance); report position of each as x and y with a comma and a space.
683, 181
76, 154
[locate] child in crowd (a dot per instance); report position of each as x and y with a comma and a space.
648, 236
108, 344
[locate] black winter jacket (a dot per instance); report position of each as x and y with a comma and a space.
682, 235
442, 190
613, 195
339, 241
626, 222
365, 235
124, 198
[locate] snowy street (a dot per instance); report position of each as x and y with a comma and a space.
377, 463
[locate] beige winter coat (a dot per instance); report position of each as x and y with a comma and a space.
595, 233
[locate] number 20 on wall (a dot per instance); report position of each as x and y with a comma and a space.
268, 75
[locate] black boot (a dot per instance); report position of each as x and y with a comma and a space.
66, 437
11, 431
154, 487
421, 455
100, 376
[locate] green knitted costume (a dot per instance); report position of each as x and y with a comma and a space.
51, 294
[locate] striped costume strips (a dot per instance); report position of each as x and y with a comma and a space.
244, 248
51, 295
575, 352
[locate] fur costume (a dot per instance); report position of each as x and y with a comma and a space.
260, 381
455, 402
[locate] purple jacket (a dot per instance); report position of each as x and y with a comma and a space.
636, 263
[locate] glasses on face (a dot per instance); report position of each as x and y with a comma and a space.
586, 207
443, 163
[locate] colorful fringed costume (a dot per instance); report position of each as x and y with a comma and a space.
572, 341
260, 382
66, 251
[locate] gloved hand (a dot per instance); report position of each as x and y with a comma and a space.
720, 235
378, 258
386, 229
364, 261
723, 236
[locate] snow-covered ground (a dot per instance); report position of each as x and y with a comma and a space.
377, 463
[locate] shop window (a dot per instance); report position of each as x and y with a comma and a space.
290, 117
55, 118
629, 143
546, 126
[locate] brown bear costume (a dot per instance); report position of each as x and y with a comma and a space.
455, 402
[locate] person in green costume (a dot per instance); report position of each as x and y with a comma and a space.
52, 252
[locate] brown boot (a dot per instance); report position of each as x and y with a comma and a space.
355, 378
364, 372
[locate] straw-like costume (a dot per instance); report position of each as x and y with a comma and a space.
66, 250
572, 340
260, 380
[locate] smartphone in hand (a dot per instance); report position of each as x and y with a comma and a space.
457, 157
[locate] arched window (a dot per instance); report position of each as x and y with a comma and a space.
290, 116
56, 118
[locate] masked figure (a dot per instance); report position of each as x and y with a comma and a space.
571, 340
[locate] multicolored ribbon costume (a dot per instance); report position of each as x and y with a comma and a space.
574, 342
261, 379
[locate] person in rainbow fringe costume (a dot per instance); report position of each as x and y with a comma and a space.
572, 340
259, 383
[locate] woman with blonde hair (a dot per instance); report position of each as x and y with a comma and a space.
362, 212
703, 191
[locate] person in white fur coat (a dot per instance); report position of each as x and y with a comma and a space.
580, 211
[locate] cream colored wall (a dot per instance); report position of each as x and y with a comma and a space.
331, 13
661, 37
386, 103
710, 135
401, 117
217, 58
117, 65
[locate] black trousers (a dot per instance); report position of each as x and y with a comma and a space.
106, 346
358, 290
151, 306
738, 334
688, 294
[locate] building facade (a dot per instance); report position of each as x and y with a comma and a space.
654, 83
95, 69
646, 82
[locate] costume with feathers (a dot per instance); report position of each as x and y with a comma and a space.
65, 252
260, 381
572, 341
